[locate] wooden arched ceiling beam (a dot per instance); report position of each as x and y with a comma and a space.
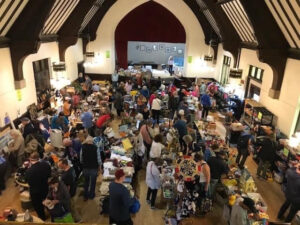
272, 45
209, 33
91, 28
24, 35
68, 33
230, 38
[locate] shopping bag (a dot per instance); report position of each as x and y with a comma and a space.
135, 207
65, 219
206, 205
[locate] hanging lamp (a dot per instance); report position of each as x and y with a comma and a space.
236, 73
209, 56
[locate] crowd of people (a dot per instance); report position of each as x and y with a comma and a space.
86, 154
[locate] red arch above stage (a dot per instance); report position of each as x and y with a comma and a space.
148, 22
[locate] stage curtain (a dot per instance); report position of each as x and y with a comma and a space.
150, 22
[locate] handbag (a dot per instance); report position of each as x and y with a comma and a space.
206, 205
135, 207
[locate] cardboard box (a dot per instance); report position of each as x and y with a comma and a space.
71, 90
212, 126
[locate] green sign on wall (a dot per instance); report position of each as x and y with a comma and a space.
190, 59
107, 54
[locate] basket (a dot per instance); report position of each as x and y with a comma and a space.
168, 191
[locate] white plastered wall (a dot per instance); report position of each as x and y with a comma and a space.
105, 40
285, 107
73, 56
8, 95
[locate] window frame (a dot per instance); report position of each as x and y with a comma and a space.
255, 74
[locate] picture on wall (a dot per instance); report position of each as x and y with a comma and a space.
149, 50
142, 48
155, 48
161, 47
179, 51
137, 47
168, 50
174, 49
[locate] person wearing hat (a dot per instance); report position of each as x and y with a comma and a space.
218, 167
90, 159
119, 201
153, 181
242, 211
181, 126
28, 127
37, 178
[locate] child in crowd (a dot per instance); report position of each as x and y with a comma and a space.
198, 112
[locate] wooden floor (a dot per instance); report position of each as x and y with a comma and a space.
89, 210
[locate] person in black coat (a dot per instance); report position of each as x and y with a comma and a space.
173, 104
91, 161
59, 197
292, 194
266, 155
28, 127
118, 102
37, 177
218, 167
120, 201
3, 169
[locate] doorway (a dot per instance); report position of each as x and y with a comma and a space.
225, 70
41, 71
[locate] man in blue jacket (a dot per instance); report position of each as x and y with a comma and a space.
206, 103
